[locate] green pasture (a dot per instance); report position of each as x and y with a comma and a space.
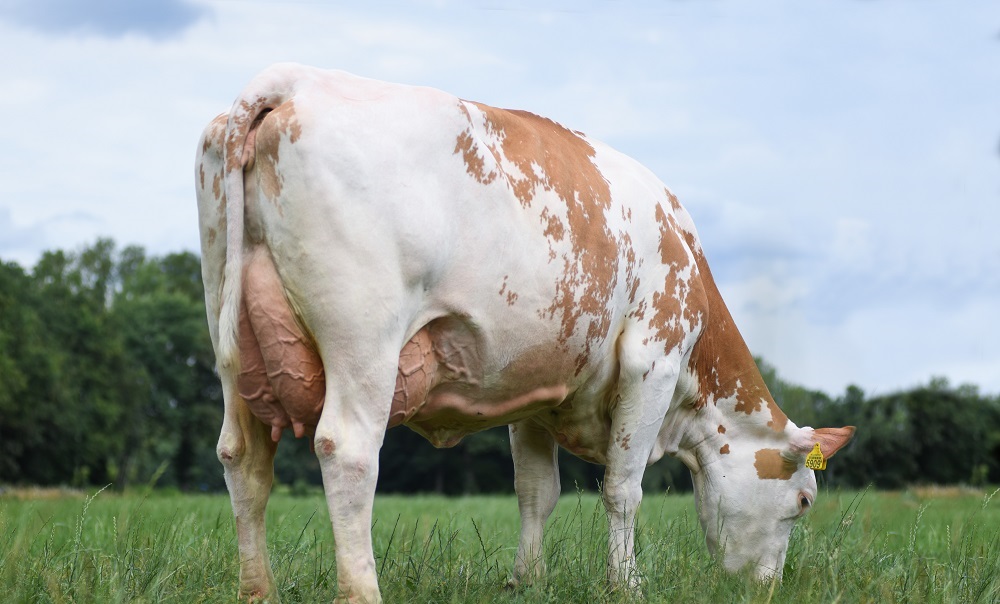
931, 545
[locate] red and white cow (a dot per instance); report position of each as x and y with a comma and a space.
377, 255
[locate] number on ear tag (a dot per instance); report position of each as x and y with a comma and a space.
815, 459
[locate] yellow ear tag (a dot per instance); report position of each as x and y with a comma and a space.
815, 459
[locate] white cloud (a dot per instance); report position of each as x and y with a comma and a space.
112, 18
840, 161
852, 244
882, 347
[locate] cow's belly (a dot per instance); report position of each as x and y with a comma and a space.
581, 423
444, 389
444, 393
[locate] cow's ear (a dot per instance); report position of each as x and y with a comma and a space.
832, 440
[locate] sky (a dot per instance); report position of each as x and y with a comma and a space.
841, 159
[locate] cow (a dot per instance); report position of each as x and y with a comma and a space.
377, 255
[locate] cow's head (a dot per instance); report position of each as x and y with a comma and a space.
751, 490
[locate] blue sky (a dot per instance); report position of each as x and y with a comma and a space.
840, 158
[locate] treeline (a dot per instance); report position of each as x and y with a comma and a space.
107, 376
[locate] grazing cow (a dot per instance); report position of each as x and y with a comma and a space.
377, 255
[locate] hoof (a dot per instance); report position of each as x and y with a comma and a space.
260, 596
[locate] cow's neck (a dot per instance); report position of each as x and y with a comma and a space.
727, 375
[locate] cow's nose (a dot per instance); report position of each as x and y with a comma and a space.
767, 571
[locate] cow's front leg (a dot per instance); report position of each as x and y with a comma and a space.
348, 439
247, 454
622, 495
536, 481
644, 393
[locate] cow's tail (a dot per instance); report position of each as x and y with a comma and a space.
266, 91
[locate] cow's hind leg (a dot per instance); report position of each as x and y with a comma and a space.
247, 453
347, 442
536, 480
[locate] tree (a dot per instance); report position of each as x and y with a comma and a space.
106, 370
23, 365
107, 375
951, 432
480, 463
70, 360
160, 313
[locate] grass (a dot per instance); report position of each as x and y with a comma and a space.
913, 546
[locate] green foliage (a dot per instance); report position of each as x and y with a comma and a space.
933, 434
107, 376
481, 463
161, 316
107, 370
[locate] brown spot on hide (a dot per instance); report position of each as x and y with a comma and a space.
648, 371
674, 203
243, 118
215, 133
554, 228
325, 447
679, 299
722, 429
671, 251
212, 234
211, 149
622, 439
771, 465
220, 211
474, 164
725, 449
511, 295
723, 363
280, 124
549, 157
640, 310
631, 264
